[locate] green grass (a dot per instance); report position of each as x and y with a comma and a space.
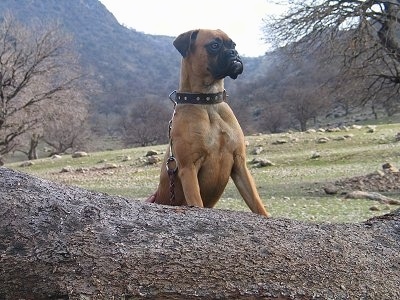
292, 188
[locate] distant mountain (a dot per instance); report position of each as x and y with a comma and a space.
129, 65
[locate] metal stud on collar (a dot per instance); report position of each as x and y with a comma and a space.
197, 98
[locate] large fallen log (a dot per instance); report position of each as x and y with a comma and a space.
60, 242
374, 196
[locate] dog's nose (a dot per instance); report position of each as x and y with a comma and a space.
232, 52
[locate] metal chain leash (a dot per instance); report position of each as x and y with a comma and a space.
171, 164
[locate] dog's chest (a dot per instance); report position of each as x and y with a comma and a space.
224, 132
206, 129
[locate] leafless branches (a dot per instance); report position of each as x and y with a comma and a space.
38, 71
362, 34
146, 123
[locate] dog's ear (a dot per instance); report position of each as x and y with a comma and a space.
184, 41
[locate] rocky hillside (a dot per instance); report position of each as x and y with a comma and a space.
128, 64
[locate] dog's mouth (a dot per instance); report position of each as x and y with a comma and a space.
227, 66
236, 68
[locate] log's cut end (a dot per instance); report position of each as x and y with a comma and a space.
64, 242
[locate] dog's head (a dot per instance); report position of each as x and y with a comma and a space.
210, 51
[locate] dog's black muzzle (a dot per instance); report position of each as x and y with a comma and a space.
229, 64
236, 64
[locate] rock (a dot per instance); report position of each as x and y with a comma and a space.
151, 153
374, 208
356, 126
257, 150
334, 129
261, 163
311, 130
387, 207
388, 167
79, 154
27, 164
380, 173
323, 140
315, 155
331, 189
110, 166
279, 142
126, 158
345, 128
66, 169
56, 156
153, 159
371, 128
397, 137
339, 138
265, 163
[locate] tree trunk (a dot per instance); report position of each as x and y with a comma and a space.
60, 242
303, 125
34, 142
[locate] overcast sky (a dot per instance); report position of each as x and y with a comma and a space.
241, 20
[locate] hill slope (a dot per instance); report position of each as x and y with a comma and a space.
128, 64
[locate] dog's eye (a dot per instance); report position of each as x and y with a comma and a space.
214, 47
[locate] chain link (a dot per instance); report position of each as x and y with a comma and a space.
171, 164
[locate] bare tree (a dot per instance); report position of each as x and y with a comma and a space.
106, 124
243, 111
146, 123
363, 33
66, 125
306, 98
37, 65
273, 117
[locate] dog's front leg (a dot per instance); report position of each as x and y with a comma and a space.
245, 184
190, 186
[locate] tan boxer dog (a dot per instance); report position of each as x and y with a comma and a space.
206, 141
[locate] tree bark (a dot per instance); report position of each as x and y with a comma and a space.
62, 242
33, 144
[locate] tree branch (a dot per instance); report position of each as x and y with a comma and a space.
66, 242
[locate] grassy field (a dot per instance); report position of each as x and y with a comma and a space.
291, 188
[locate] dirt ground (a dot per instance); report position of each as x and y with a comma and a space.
385, 181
